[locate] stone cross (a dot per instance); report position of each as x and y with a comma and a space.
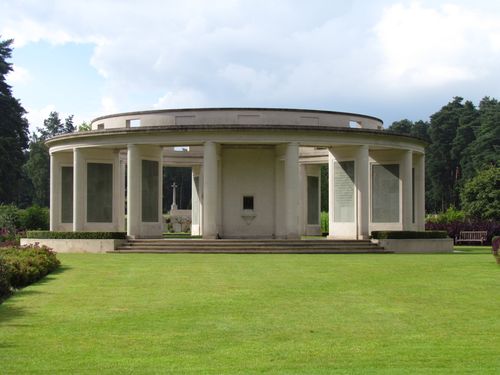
173, 206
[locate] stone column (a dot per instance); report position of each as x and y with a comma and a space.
420, 191
210, 190
292, 190
79, 189
55, 191
331, 218
121, 200
406, 178
134, 214
362, 187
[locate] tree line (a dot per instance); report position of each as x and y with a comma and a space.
462, 156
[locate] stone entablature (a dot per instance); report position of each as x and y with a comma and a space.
235, 116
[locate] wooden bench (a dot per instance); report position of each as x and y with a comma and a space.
472, 236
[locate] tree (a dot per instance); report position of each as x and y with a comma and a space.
38, 170
402, 127
52, 126
418, 129
69, 127
37, 167
485, 149
468, 124
13, 132
84, 127
481, 195
443, 165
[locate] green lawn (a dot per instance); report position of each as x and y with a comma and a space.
252, 314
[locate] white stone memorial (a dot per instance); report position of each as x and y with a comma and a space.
255, 173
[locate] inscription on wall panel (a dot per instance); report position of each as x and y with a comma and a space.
343, 191
385, 193
99, 193
312, 200
66, 194
149, 191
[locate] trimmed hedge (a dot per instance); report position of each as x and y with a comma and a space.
4, 279
495, 245
407, 234
454, 228
22, 266
45, 234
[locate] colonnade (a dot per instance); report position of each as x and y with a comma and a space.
353, 174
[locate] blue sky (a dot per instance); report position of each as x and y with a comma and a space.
390, 59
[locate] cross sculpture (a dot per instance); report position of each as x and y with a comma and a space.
173, 206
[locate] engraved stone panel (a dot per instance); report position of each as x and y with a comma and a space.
385, 193
343, 191
66, 194
312, 200
99, 193
150, 191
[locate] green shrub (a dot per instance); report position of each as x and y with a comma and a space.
34, 217
407, 234
28, 264
324, 222
9, 219
495, 245
21, 266
4, 279
451, 215
45, 234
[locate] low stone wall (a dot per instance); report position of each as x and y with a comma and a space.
75, 246
421, 245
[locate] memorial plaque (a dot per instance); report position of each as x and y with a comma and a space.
413, 195
66, 194
343, 191
312, 200
385, 193
99, 192
149, 191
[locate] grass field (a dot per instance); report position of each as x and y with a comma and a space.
252, 314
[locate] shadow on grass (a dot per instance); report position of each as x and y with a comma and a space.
51, 276
9, 312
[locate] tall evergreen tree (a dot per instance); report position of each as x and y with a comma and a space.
468, 124
69, 126
443, 166
13, 132
38, 165
485, 149
38, 170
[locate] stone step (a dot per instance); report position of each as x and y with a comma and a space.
249, 242
254, 244
253, 251
250, 246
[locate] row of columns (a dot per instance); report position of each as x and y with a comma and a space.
211, 191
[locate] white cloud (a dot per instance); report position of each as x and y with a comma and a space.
108, 105
18, 76
36, 116
432, 46
184, 98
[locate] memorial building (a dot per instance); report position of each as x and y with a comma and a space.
255, 173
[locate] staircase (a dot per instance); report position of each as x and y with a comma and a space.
240, 246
